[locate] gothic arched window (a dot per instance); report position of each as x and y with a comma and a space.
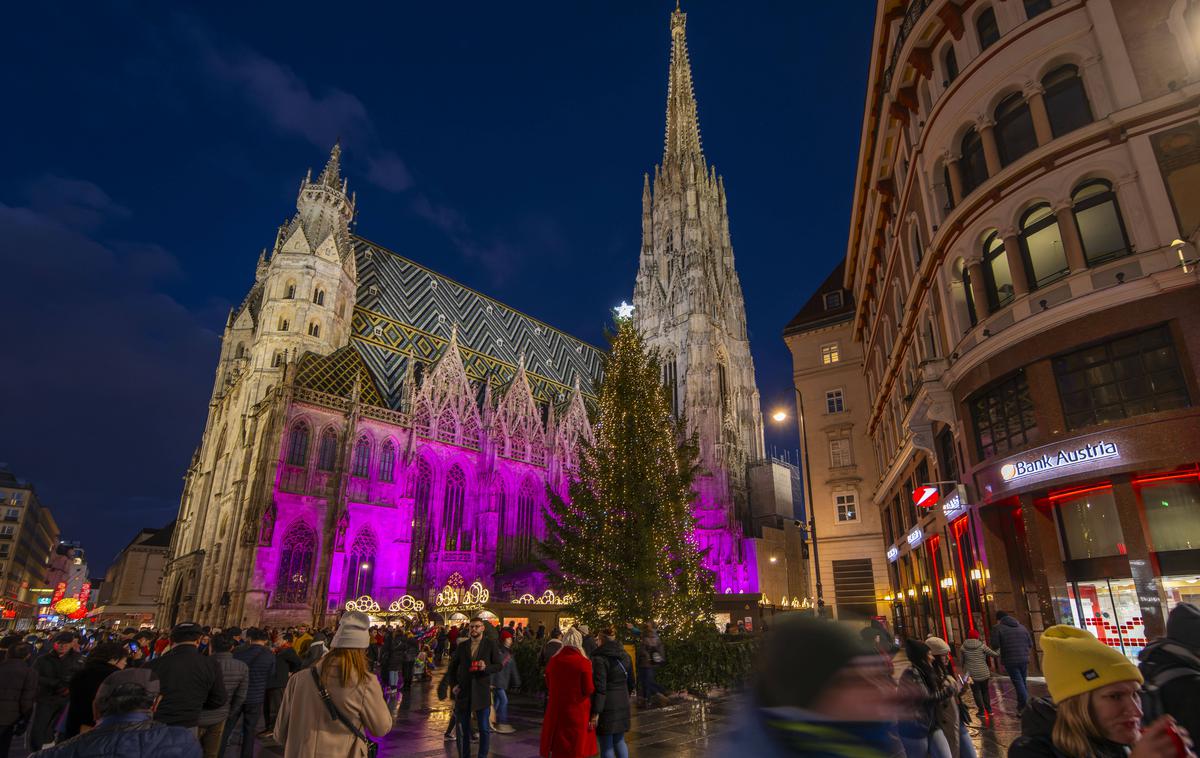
240, 351
319, 297
918, 250
447, 426
452, 510
1066, 101
314, 329
295, 564
284, 325
277, 360
1014, 128
1042, 246
387, 462
524, 536
973, 164
950, 64
327, 451
289, 292
505, 547
420, 488
360, 564
470, 432
988, 29
1098, 217
362, 457
996, 274
298, 444
420, 419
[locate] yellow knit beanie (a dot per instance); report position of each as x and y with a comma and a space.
1076, 662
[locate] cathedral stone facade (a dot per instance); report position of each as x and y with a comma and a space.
376, 428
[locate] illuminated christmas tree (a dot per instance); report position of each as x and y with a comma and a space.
623, 545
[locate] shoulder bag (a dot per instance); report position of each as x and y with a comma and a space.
337, 715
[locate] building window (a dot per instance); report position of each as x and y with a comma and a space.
240, 352
1098, 217
972, 165
420, 487
833, 300
1042, 247
1003, 416
327, 451
723, 388
1090, 525
847, 510
1036, 7
284, 325
12, 514
7, 530
387, 462
1066, 101
917, 250
948, 187
950, 63
289, 292
834, 402
314, 329
526, 501
1177, 152
362, 457
319, 297
277, 360
987, 28
1173, 513
947, 453
452, 510
298, 445
996, 274
295, 564
1014, 128
964, 275
1125, 377
830, 354
360, 564
839, 453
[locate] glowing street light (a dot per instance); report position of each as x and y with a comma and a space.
779, 416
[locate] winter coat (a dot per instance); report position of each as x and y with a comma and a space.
1037, 726
54, 674
475, 686
547, 652
508, 677
287, 662
262, 664
946, 713
650, 644
612, 678
18, 683
305, 728
132, 735
972, 656
1013, 641
190, 682
565, 732
84, 685
926, 693
1180, 696
235, 675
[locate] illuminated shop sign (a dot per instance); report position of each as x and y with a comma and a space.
893, 553
1062, 459
914, 537
43, 601
925, 496
955, 504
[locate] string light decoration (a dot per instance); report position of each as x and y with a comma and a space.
366, 604
622, 545
546, 598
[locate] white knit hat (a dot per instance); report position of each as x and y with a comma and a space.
352, 631
572, 638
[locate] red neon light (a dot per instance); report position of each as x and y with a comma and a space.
959, 526
59, 591
1166, 477
1081, 491
925, 497
937, 581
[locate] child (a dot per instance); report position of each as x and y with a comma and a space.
421, 666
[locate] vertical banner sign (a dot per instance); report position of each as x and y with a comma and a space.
84, 592
59, 592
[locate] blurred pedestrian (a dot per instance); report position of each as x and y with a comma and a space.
18, 685
612, 680
651, 653
925, 690
566, 729
54, 672
1094, 709
507, 677
973, 657
1014, 642
951, 714
287, 663
260, 670
329, 710
317, 648
1171, 666
235, 677
104, 659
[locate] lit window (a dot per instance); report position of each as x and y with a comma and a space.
1042, 246
834, 402
833, 300
830, 354
847, 509
7, 530
1099, 219
996, 273
839, 453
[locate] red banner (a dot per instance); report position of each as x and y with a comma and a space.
59, 592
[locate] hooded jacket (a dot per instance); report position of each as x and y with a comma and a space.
1037, 726
972, 656
612, 678
1013, 641
130, 735
1180, 696
18, 681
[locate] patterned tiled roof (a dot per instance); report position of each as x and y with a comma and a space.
335, 374
406, 309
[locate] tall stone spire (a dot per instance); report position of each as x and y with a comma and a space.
331, 176
324, 210
683, 126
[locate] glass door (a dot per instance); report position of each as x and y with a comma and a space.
1109, 609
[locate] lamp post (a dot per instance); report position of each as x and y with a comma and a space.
780, 416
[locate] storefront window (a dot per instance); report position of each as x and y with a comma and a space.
1181, 589
1173, 513
1109, 609
1090, 525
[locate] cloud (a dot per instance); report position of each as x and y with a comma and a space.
388, 171
73, 202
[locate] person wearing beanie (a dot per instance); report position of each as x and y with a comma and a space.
973, 658
950, 712
508, 677
304, 726
1171, 666
929, 692
1094, 709
842, 702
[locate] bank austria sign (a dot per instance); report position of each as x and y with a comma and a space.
1064, 458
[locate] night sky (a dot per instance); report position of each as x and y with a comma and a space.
150, 152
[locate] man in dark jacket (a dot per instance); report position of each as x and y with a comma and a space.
469, 673
236, 677
287, 662
54, 670
1171, 666
262, 662
126, 727
190, 682
106, 658
18, 683
1014, 643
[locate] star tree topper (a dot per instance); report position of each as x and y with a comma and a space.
624, 311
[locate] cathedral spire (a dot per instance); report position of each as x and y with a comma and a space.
683, 126
331, 176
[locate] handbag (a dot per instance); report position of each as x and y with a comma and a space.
337, 715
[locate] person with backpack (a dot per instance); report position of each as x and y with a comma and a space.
1014, 642
613, 682
650, 655
973, 658
1171, 666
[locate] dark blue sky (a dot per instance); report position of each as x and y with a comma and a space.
151, 151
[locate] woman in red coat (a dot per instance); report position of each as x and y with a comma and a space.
565, 729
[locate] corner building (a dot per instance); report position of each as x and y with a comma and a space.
1023, 250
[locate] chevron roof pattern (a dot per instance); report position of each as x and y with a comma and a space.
406, 309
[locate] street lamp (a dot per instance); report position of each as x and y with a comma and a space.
780, 416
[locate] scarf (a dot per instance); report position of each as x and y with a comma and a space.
831, 739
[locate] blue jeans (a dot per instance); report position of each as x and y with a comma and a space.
646, 684
501, 698
1018, 674
934, 746
613, 745
463, 728
965, 747
392, 678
